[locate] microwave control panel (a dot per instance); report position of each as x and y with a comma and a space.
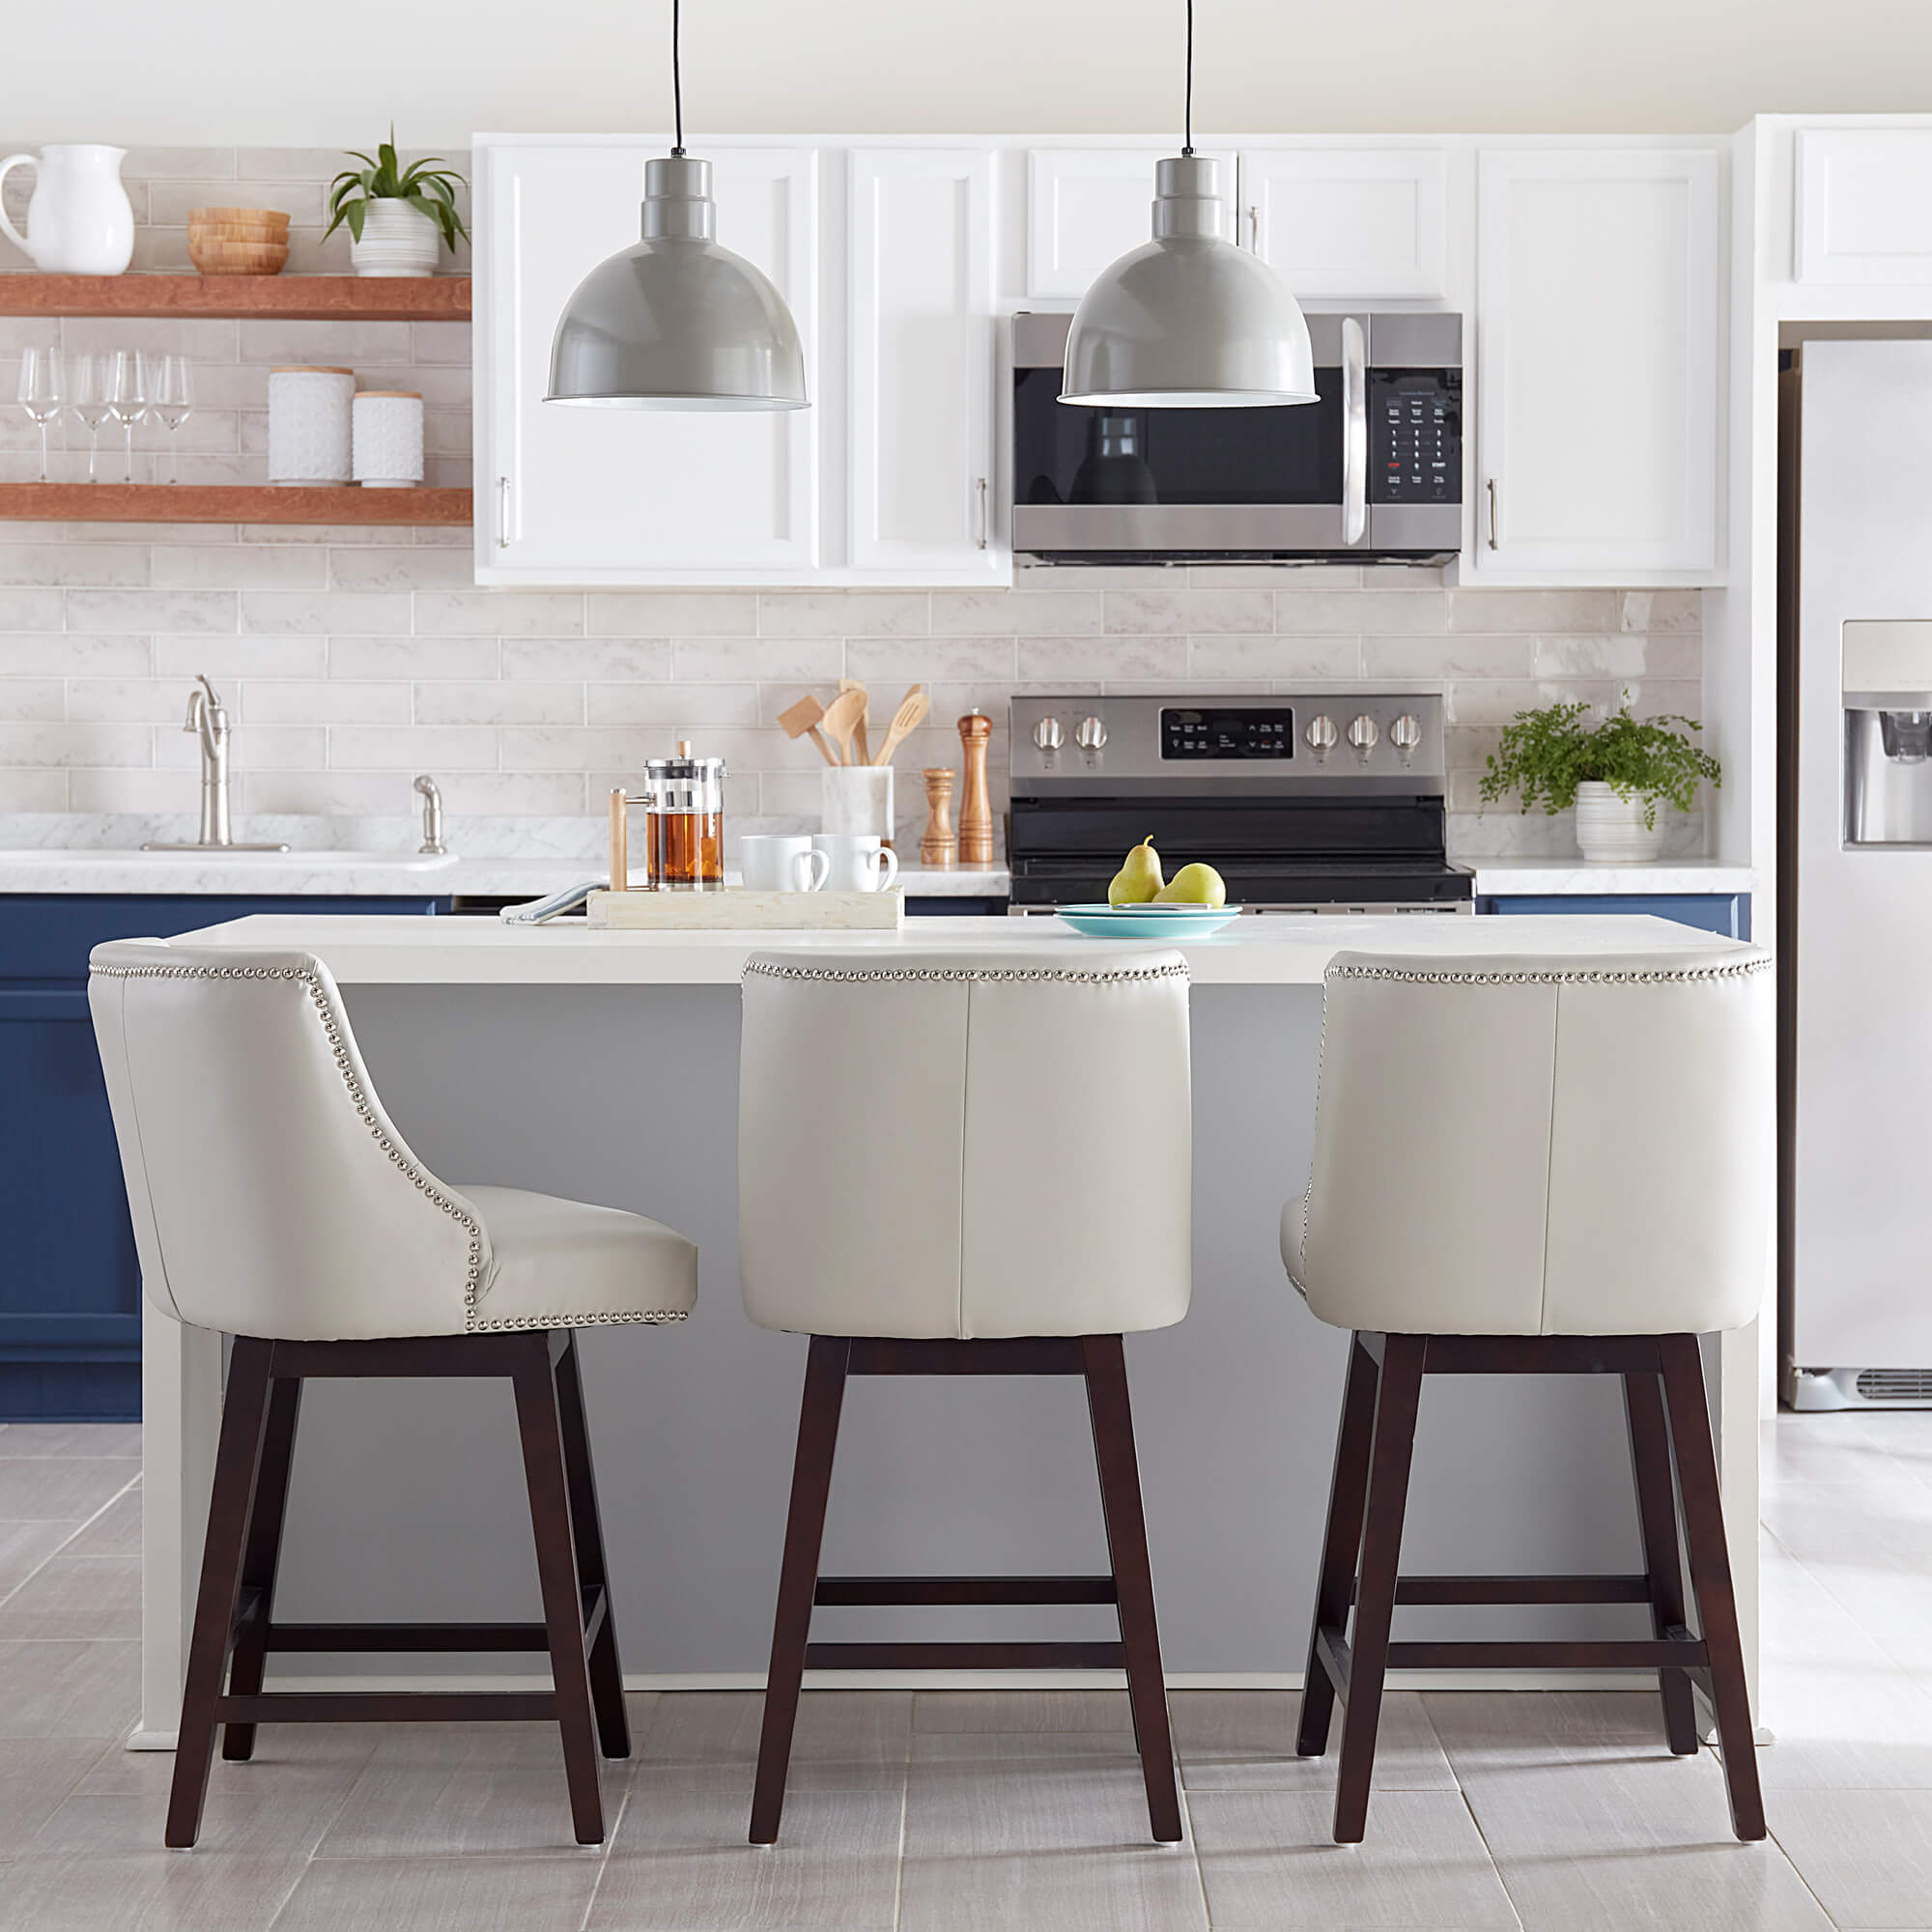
1415, 436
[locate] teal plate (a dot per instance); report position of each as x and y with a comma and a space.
1147, 922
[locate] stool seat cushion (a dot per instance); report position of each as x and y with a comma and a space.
556, 1263
1554, 1144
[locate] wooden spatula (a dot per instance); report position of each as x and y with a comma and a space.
804, 718
906, 719
841, 719
859, 744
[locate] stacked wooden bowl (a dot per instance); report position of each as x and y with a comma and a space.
237, 240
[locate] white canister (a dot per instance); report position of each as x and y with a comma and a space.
309, 425
857, 798
388, 439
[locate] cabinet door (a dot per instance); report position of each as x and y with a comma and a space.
594, 496
1597, 366
1347, 222
920, 301
1864, 205
1086, 207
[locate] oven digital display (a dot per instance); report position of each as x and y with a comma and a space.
1228, 731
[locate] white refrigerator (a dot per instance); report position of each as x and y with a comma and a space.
1856, 874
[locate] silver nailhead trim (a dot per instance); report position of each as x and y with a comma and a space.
771, 970
1418, 976
425, 1183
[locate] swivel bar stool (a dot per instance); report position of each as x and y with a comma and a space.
965, 1163
273, 1201
1588, 1146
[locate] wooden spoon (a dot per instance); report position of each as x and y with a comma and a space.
842, 719
804, 717
865, 719
906, 719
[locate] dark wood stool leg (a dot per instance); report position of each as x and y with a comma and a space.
1133, 1576
1342, 1545
606, 1673
1403, 1360
1711, 1574
263, 1555
237, 1455
798, 1578
541, 1426
1662, 1561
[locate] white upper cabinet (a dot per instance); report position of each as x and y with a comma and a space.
574, 495
1348, 222
1088, 207
922, 496
1864, 205
1598, 277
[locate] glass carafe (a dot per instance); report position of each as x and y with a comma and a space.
684, 825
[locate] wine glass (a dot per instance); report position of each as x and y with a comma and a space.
42, 392
169, 384
127, 402
92, 388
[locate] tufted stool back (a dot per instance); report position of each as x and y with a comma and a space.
965, 1144
269, 1192
1541, 1146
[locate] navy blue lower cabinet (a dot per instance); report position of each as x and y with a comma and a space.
70, 1286
1725, 913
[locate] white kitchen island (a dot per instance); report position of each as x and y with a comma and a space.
604, 1064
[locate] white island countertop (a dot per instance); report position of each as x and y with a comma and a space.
1273, 951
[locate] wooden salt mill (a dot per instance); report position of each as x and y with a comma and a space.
937, 848
976, 811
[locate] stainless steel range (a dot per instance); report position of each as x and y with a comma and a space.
1317, 801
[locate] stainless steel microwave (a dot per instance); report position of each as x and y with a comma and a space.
1372, 472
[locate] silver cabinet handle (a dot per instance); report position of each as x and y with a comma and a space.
1493, 513
984, 528
502, 512
1355, 431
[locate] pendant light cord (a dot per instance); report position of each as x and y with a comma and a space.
677, 81
1187, 137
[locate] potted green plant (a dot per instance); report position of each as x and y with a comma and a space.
395, 216
1616, 771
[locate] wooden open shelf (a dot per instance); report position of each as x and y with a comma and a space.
229, 503
286, 297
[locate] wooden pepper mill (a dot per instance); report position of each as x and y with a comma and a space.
937, 848
976, 811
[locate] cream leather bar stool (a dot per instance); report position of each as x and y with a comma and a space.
925, 1191
1587, 1144
273, 1201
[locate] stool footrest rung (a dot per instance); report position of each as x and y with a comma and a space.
1683, 1653
350, 1638
846, 1590
1602, 1589
385, 1707
965, 1657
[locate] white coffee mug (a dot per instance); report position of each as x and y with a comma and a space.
778, 862
857, 861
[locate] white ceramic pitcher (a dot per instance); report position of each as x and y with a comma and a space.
79, 220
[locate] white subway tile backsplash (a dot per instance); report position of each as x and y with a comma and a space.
354, 657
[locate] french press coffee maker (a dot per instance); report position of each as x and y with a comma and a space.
684, 824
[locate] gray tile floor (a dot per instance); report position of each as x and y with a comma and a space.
995, 1809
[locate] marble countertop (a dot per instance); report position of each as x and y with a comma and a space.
1497, 878
1285, 951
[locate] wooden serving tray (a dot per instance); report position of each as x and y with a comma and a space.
735, 908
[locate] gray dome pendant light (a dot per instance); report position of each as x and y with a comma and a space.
677, 322
1189, 321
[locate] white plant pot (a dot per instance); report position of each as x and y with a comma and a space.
1611, 830
397, 240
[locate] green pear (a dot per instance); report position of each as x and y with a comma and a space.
1139, 878
1194, 885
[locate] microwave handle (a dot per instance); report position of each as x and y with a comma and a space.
1355, 431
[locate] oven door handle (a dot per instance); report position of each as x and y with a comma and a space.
1355, 431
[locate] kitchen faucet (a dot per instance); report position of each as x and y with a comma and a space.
208, 720
432, 847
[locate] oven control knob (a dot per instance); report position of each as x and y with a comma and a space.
1048, 735
1090, 734
1322, 735
1405, 733
1362, 734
